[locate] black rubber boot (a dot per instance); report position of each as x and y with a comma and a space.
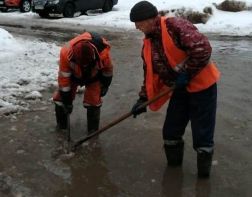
204, 163
174, 153
93, 118
61, 117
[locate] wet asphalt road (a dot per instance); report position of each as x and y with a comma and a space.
128, 159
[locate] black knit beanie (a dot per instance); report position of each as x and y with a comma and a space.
143, 10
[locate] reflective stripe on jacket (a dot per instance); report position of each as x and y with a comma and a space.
154, 85
68, 69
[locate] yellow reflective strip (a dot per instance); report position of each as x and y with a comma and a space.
107, 74
64, 74
59, 103
65, 89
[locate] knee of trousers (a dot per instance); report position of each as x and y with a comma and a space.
92, 95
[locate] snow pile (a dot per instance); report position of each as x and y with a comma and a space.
229, 23
226, 23
33, 95
119, 16
8, 46
25, 71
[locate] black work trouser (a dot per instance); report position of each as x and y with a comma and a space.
199, 108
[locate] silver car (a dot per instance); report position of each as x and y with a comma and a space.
69, 7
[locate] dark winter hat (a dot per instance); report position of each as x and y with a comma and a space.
83, 53
143, 10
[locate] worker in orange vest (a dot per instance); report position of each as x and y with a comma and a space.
176, 55
84, 61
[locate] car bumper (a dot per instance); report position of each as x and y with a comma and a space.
9, 3
50, 8
6, 4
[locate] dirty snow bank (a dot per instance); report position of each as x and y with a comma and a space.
227, 23
27, 67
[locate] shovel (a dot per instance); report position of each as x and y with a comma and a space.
123, 117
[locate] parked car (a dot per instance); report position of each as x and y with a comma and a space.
69, 7
23, 5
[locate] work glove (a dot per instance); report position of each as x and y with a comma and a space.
105, 80
68, 108
104, 90
136, 109
182, 80
105, 83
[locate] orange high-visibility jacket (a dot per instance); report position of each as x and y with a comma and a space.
154, 85
68, 68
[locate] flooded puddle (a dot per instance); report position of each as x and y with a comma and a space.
128, 159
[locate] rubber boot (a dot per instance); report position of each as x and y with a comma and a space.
174, 153
204, 163
93, 118
61, 117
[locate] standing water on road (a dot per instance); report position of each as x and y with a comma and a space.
128, 159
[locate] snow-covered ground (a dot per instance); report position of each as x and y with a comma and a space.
27, 67
228, 23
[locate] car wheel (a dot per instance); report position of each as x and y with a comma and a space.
43, 14
3, 9
25, 6
108, 5
69, 10
84, 12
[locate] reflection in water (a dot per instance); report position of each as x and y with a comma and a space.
234, 48
89, 174
203, 188
172, 182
